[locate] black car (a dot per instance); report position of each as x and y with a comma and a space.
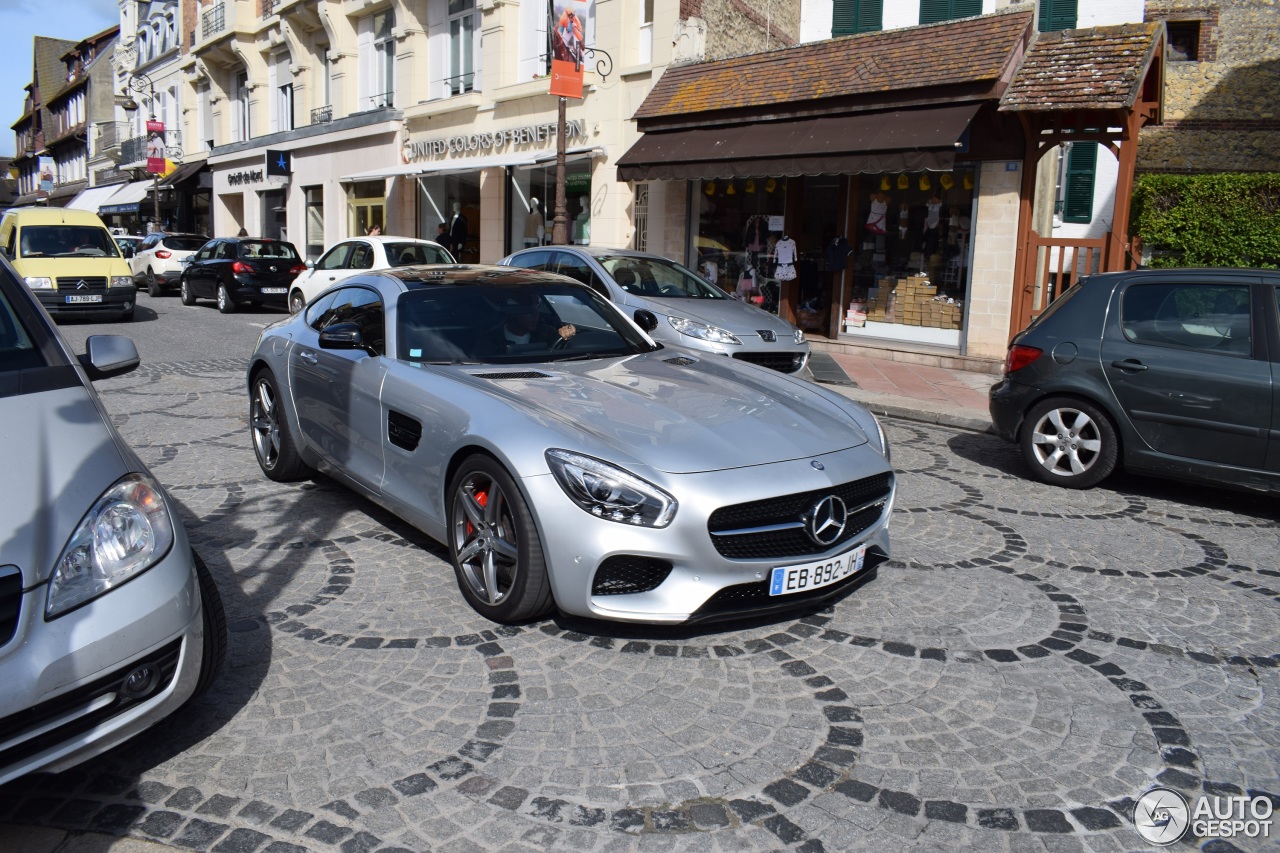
241, 270
1166, 372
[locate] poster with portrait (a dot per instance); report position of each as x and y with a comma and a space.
568, 43
155, 147
46, 174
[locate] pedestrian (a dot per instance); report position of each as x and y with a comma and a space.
243, 233
442, 236
375, 230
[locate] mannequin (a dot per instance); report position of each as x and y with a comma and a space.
904, 220
933, 218
879, 213
535, 226
582, 225
457, 230
785, 254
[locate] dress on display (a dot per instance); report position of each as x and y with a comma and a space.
877, 217
786, 255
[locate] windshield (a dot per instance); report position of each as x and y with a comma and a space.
184, 244
510, 324
657, 277
66, 241
408, 254
266, 249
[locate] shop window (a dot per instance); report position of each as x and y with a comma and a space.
315, 222
532, 197
933, 11
1082, 162
856, 16
1057, 15
1184, 40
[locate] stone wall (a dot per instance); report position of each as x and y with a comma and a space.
1220, 107
737, 27
995, 237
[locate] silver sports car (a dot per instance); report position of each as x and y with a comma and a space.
565, 458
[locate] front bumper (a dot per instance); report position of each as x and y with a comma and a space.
575, 543
115, 300
1007, 402
62, 702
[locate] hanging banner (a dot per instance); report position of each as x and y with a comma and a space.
568, 34
155, 147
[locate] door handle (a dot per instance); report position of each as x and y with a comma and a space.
308, 357
1129, 364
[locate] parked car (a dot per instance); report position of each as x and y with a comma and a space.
1165, 372
241, 270
109, 621
358, 254
159, 260
565, 458
691, 312
69, 260
128, 244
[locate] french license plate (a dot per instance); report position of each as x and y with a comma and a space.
275, 290
788, 579
96, 297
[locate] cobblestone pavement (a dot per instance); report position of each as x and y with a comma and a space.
1031, 661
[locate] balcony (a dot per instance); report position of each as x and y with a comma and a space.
322, 115
268, 7
108, 137
213, 21
133, 151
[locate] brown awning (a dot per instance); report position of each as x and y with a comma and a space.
896, 141
183, 172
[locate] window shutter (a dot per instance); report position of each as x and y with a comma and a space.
933, 11
1081, 165
1057, 15
966, 8
856, 16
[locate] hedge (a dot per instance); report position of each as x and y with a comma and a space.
1217, 220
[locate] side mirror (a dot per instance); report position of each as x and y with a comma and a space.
646, 319
108, 355
311, 265
342, 336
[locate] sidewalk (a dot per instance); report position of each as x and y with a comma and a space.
914, 392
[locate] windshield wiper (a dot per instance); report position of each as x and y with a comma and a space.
584, 356
450, 362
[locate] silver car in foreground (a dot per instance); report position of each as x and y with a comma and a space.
565, 458
108, 620
691, 312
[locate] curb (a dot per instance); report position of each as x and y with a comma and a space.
908, 409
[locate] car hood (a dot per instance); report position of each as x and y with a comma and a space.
86, 267
730, 314
58, 456
711, 415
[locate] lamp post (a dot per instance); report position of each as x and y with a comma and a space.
141, 83
560, 220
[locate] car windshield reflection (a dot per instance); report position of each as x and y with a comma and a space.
505, 324
657, 277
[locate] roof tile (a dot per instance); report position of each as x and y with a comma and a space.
1095, 68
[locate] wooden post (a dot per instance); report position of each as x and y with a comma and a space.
1023, 276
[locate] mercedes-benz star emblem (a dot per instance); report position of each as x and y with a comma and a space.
826, 520
818, 465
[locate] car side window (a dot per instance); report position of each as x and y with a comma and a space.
364, 308
318, 311
1210, 317
223, 251
577, 268
361, 257
205, 253
534, 261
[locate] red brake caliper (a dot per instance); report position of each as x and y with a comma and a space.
482, 498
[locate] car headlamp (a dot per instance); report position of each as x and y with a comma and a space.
36, 282
120, 281
884, 440
702, 331
607, 491
799, 336
127, 531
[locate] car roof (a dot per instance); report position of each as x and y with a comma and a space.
432, 274
54, 216
385, 239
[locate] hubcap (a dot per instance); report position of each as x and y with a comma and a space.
265, 422
484, 538
1066, 442
222, 297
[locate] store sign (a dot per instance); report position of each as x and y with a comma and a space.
500, 140
247, 176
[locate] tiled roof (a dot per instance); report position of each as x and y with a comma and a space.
1096, 68
969, 50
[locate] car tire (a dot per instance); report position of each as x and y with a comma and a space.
1068, 442
184, 289
225, 303
508, 583
153, 286
296, 302
214, 622
273, 445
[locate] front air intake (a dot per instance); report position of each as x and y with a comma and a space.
625, 574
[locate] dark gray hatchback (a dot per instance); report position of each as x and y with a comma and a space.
1167, 372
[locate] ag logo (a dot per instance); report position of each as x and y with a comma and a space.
1161, 816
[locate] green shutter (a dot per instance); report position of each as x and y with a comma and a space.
856, 16
1082, 163
1057, 15
933, 11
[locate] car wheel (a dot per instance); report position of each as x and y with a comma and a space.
214, 621
1068, 442
496, 552
153, 286
225, 305
272, 442
296, 302
188, 297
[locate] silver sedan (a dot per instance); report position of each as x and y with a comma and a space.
566, 458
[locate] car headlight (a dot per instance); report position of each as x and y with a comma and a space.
702, 331
606, 491
126, 532
799, 336
39, 282
120, 281
884, 440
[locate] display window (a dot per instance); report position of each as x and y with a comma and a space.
738, 225
533, 201
449, 213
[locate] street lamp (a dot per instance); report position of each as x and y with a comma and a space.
141, 83
560, 217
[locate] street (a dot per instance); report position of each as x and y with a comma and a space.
1031, 661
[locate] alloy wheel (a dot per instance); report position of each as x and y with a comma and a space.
264, 420
485, 538
1066, 442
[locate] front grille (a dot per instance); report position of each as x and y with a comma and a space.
779, 361
92, 284
775, 527
12, 726
10, 602
755, 597
624, 574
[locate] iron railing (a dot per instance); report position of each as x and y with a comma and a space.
214, 20
110, 135
133, 151
382, 100
320, 115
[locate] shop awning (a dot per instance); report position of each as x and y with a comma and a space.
443, 167
184, 172
127, 199
893, 141
90, 199
581, 152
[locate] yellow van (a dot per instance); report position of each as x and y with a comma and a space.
69, 260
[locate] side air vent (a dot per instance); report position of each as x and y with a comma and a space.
514, 374
403, 431
681, 360
626, 574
